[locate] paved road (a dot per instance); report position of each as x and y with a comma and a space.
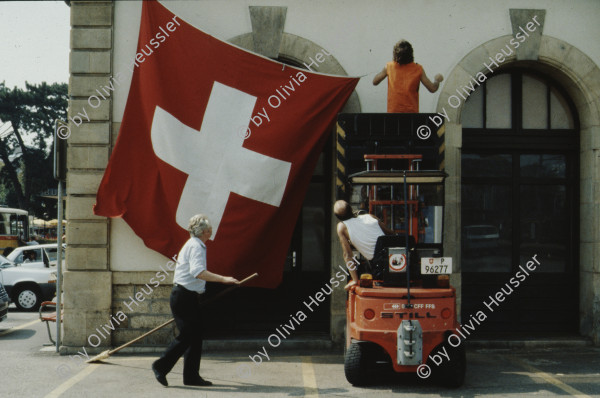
29, 371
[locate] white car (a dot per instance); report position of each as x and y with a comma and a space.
36, 256
27, 287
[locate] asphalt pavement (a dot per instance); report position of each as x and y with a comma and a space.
28, 369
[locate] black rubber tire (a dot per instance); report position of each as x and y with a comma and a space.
27, 298
347, 338
451, 374
356, 364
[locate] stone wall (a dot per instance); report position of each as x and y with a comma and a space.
144, 311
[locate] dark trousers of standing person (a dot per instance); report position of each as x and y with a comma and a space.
185, 306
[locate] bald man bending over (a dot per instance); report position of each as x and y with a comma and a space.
360, 231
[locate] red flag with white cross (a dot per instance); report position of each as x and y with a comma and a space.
210, 128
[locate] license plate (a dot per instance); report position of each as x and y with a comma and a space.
436, 265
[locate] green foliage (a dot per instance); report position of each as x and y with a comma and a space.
32, 113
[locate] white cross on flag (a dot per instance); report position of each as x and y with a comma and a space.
210, 128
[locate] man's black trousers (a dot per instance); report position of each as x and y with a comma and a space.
185, 306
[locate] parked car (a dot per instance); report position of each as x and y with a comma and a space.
36, 256
27, 287
481, 237
4, 302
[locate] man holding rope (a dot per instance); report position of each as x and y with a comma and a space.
189, 284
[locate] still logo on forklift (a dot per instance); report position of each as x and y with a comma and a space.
398, 306
411, 315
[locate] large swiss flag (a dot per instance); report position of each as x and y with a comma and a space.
211, 128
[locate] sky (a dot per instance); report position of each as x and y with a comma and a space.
34, 42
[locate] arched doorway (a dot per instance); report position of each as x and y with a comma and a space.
520, 199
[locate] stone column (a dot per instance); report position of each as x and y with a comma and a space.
87, 277
452, 205
589, 214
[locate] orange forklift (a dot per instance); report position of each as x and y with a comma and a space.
403, 310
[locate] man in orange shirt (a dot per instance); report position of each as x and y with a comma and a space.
404, 76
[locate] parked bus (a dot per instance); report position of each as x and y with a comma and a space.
14, 227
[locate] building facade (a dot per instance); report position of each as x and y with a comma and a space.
520, 104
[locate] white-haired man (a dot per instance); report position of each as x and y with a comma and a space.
189, 284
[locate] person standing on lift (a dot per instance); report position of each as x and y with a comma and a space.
404, 78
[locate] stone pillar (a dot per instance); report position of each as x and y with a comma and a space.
589, 214
452, 204
87, 277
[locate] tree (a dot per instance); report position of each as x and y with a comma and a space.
32, 113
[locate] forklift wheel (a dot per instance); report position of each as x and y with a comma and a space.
451, 373
356, 364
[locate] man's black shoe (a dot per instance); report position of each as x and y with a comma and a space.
162, 379
197, 382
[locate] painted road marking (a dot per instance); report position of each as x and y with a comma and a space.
309, 379
18, 327
547, 377
57, 392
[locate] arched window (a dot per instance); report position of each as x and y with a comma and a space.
543, 106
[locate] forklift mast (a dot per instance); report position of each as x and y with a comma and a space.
359, 134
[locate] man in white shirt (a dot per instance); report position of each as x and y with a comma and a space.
189, 284
360, 231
